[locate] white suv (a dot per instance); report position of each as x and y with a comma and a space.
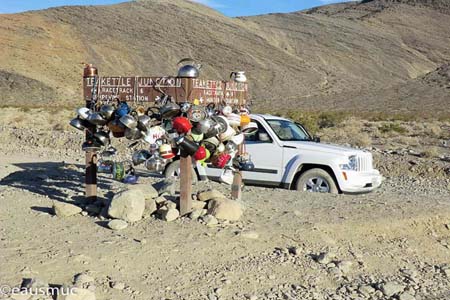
286, 156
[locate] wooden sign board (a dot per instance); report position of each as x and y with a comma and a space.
149, 89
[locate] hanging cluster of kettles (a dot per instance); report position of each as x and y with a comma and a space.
210, 134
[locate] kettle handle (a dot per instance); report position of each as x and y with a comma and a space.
187, 60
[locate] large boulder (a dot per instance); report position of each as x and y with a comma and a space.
225, 209
148, 192
211, 194
65, 209
128, 205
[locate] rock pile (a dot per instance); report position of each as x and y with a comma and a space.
142, 201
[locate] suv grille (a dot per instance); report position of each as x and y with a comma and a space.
364, 162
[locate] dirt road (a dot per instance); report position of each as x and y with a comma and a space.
366, 241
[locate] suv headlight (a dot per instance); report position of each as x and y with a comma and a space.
351, 165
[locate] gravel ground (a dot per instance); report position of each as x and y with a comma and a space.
390, 244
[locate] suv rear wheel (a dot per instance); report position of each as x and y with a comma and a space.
317, 181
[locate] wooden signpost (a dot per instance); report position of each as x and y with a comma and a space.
236, 186
146, 91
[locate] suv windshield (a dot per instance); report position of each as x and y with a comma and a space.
288, 131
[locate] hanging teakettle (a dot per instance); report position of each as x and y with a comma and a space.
79, 123
238, 77
102, 137
154, 134
169, 109
107, 111
155, 164
117, 128
129, 121
196, 113
133, 134
122, 109
83, 112
105, 166
96, 119
140, 156
187, 146
188, 68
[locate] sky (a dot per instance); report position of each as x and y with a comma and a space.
230, 8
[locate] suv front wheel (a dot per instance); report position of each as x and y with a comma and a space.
316, 181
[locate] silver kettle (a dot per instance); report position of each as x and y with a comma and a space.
188, 68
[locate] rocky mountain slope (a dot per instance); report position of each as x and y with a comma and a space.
344, 56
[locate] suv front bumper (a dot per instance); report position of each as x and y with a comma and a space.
359, 182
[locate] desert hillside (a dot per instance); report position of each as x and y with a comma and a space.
368, 56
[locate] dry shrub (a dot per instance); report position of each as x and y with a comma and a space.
407, 140
433, 130
392, 129
59, 127
313, 121
19, 119
362, 140
431, 152
352, 131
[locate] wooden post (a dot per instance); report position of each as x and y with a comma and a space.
236, 187
91, 176
186, 168
185, 185
90, 72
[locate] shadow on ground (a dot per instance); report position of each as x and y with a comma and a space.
58, 181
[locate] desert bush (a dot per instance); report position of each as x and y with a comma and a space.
25, 109
19, 119
433, 130
407, 141
392, 128
353, 132
361, 140
431, 152
59, 127
314, 121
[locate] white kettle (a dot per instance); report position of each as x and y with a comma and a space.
238, 77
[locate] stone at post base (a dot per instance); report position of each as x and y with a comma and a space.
128, 205
61, 209
225, 209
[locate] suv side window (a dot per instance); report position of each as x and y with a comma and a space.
256, 136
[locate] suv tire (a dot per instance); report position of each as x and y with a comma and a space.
316, 181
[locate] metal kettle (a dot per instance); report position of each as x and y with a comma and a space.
155, 164
238, 77
188, 68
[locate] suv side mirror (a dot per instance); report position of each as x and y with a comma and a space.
263, 137
316, 139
